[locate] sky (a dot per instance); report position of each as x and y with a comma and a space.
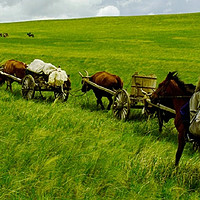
26, 10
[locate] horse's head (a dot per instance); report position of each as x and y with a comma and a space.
167, 88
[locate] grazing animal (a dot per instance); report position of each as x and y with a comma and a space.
15, 68
30, 34
1, 34
179, 94
5, 35
104, 79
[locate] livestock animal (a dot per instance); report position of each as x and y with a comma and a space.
104, 79
5, 35
15, 68
30, 34
174, 89
165, 116
1, 34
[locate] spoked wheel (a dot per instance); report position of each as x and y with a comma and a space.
121, 105
28, 87
59, 95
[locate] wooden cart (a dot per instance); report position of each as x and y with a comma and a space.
39, 82
142, 87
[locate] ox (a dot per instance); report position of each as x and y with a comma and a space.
30, 34
15, 68
5, 35
104, 79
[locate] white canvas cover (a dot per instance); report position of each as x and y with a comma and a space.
57, 77
39, 66
195, 114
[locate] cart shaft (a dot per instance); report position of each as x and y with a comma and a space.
11, 77
99, 87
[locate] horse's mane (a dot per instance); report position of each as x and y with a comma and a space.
188, 89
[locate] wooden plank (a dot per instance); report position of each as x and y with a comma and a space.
11, 77
147, 83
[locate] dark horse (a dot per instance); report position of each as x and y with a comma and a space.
106, 80
165, 116
15, 68
178, 94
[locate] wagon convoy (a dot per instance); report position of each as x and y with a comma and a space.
167, 100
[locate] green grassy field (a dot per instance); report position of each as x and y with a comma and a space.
73, 150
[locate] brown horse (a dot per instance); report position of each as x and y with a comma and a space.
15, 68
178, 94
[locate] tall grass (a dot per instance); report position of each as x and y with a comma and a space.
73, 150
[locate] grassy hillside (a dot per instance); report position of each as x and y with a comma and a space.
73, 150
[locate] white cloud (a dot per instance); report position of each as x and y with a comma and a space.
21, 10
125, 3
109, 11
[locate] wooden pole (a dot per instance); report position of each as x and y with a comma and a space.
160, 106
99, 87
11, 77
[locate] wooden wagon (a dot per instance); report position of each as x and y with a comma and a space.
33, 82
142, 87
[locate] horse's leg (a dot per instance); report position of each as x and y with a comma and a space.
181, 145
110, 102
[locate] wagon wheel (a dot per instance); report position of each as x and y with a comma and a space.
28, 87
63, 96
121, 105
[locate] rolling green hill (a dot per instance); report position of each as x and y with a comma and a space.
73, 150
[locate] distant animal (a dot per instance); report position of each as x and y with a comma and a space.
15, 68
30, 34
5, 34
104, 79
1, 34
179, 94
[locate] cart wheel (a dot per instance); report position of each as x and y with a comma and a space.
28, 87
121, 105
61, 96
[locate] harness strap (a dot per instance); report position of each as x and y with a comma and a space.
174, 97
